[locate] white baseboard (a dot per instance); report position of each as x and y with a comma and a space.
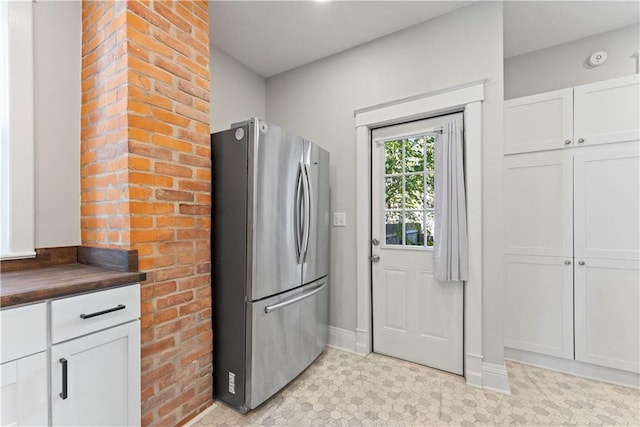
342, 339
473, 370
495, 378
573, 367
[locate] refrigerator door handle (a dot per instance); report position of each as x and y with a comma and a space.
297, 214
307, 212
270, 308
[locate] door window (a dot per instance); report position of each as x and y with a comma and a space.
409, 191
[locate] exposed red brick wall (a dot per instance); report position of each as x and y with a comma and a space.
146, 182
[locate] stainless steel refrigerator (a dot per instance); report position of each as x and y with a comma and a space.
270, 253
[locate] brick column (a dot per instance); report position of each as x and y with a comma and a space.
146, 174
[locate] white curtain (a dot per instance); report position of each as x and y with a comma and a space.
451, 249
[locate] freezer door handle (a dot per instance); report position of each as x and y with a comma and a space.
270, 308
307, 212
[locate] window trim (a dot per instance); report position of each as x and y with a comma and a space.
17, 239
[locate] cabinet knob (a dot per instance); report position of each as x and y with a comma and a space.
567, 141
581, 262
567, 262
580, 140
375, 258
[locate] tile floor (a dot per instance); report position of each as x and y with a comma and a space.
343, 389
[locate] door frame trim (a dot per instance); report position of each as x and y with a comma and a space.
467, 97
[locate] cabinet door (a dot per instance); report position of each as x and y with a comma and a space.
607, 299
608, 111
102, 378
538, 122
539, 305
607, 201
24, 391
538, 204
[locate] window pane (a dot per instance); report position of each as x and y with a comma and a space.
414, 154
414, 233
430, 193
393, 157
393, 192
430, 153
393, 228
429, 223
414, 192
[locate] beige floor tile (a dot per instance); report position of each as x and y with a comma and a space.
343, 389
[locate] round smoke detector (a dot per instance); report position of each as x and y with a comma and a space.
598, 58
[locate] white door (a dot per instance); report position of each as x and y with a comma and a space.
538, 204
607, 201
415, 317
95, 379
538, 122
607, 303
24, 391
538, 308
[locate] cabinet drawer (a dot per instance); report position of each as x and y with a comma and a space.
24, 331
80, 315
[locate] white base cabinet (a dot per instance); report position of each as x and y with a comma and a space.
95, 379
84, 372
24, 391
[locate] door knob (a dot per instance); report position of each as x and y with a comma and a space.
567, 141
567, 262
375, 258
580, 140
375, 242
581, 262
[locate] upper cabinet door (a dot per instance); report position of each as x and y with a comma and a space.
538, 122
608, 111
607, 201
538, 197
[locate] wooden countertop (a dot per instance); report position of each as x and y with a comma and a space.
32, 285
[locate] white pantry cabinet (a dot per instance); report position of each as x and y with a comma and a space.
607, 202
607, 295
539, 304
572, 230
538, 208
538, 122
23, 368
595, 113
607, 111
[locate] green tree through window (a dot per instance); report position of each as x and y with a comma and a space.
409, 191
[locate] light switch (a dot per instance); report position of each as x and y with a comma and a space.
339, 219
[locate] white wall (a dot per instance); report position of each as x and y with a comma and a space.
565, 65
57, 62
237, 93
318, 100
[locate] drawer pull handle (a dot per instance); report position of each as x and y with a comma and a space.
63, 395
100, 313
270, 308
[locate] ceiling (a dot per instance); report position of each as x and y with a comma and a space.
271, 37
